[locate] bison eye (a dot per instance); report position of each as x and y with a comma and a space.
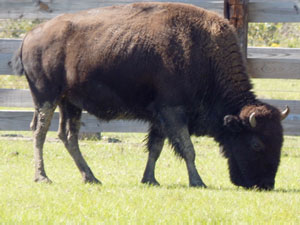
257, 145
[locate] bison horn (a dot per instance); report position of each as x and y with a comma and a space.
285, 113
252, 120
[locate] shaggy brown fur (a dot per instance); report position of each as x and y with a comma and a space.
177, 66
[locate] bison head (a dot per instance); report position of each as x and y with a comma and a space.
252, 145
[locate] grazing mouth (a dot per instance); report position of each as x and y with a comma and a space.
264, 185
239, 177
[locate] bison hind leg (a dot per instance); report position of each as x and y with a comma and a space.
40, 125
155, 144
33, 123
69, 125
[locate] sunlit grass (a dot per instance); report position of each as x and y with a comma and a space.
123, 200
13, 82
283, 89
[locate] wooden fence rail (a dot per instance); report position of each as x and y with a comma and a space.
281, 63
262, 62
259, 10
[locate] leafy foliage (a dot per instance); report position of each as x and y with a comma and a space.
274, 35
259, 34
16, 28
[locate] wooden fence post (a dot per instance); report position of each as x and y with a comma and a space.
236, 11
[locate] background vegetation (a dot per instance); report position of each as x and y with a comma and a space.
259, 34
285, 35
17, 28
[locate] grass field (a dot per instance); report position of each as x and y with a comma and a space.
123, 200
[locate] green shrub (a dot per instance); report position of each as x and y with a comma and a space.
274, 35
16, 28
259, 34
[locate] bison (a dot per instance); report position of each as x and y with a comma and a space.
176, 66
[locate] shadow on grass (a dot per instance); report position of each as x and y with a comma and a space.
295, 191
241, 189
231, 189
100, 187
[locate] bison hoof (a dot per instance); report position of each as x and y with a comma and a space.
150, 182
42, 179
91, 181
198, 185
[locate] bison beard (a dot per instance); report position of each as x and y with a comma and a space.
176, 66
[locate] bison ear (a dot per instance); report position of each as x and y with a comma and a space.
223, 151
233, 123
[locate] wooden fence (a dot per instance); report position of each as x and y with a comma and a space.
262, 62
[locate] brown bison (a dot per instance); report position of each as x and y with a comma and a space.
176, 66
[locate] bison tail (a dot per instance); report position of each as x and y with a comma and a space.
16, 63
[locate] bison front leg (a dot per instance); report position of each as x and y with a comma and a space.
69, 126
154, 145
175, 126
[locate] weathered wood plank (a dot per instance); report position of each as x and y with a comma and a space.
274, 63
275, 1
258, 67
50, 8
236, 11
262, 62
15, 98
274, 53
20, 120
9, 46
279, 11
259, 11
4, 59
274, 68
281, 104
22, 98
7, 49
291, 124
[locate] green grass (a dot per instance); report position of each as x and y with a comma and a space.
123, 200
283, 89
13, 82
